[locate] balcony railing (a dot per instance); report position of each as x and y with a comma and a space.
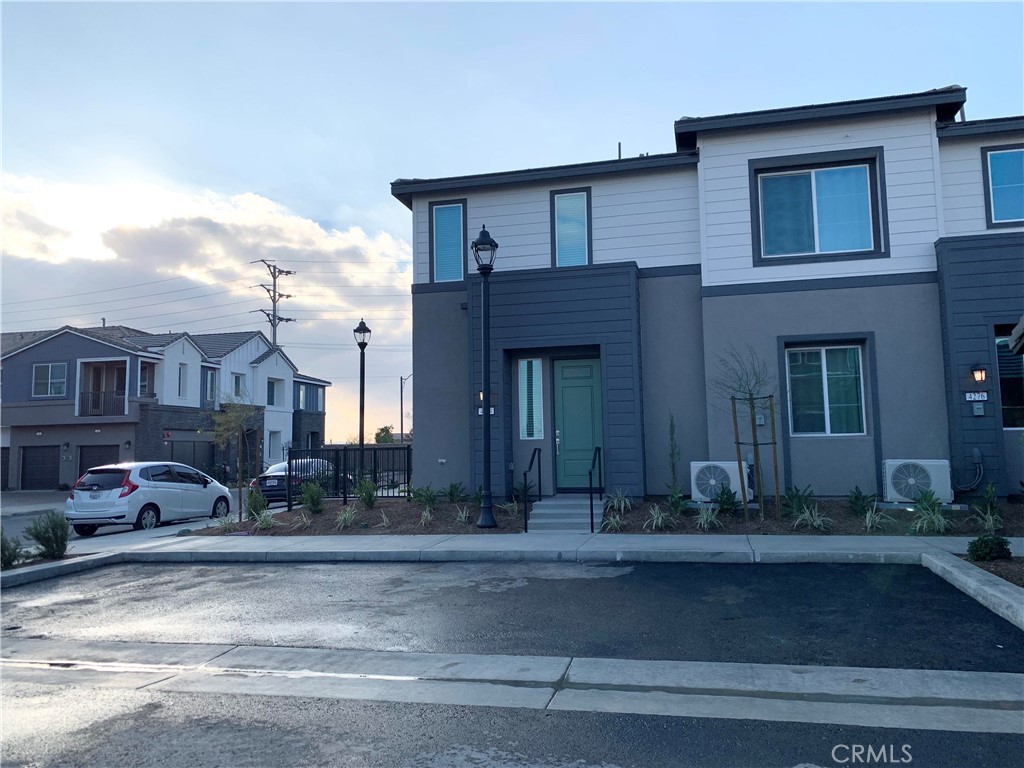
101, 403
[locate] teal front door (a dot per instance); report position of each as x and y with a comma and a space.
577, 420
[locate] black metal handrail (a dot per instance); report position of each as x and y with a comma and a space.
526, 488
596, 461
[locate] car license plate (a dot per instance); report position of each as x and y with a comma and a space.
95, 495
271, 482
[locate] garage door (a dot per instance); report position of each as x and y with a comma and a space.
95, 455
40, 468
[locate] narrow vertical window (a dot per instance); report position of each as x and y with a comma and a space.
238, 381
570, 222
182, 379
448, 241
531, 401
271, 391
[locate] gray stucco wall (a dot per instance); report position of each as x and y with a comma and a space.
565, 309
981, 279
441, 396
672, 332
902, 364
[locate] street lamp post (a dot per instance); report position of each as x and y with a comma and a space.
484, 250
401, 407
362, 336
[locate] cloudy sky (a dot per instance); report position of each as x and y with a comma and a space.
152, 152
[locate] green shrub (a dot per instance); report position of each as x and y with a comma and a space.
264, 521
707, 517
255, 504
986, 514
345, 517
989, 547
426, 496
928, 514
462, 514
876, 519
810, 517
227, 523
454, 493
313, 498
659, 519
613, 522
385, 521
510, 508
618, 502
522, 491
302, 522
366, 492
11, 551
727, 500
798, 499
50, 532
860, 503
426, 517
676, 499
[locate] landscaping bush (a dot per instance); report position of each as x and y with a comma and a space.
986, 514
810, 517
798, 499
255, 504
989, 547
454, 493
313, 498
861, 503
426, 496
11, 551
727, 500
366, 492
707, 517
345, 517
659, 519
928, 514
618, 502
50, 532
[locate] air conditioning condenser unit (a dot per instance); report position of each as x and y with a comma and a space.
707, 478
905, 479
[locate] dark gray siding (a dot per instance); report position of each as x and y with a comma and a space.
903, 377
441, 398
574, 310
981, 282
673, 370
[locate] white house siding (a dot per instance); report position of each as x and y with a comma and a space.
650, 218
240, 361
963, 184
278, 417
914, 206
182, 351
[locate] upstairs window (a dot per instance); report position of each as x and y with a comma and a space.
817, 207
182, 379
570, 227
210, 390
49, 380
238, 384
271, 392
448, 241
1003, 169
826, 391
531, 401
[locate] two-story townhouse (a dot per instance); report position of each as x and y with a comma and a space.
869, 253
78, 397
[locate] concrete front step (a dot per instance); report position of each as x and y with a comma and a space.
570, 514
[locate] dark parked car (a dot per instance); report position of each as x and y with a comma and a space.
273, 483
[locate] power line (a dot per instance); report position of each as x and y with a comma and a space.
136, 306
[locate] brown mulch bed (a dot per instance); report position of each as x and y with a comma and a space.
404, 518
1012, 570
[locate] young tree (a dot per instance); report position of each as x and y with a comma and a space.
230, 424
384, 434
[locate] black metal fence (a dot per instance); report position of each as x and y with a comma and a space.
339, 469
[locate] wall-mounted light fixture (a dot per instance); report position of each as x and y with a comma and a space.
979, 373
39, 434
66, 446
97, 431
127, 444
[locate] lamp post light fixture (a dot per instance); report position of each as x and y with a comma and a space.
484, 250
979, 373
362, 335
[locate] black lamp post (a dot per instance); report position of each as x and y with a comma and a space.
484, 250
362, 335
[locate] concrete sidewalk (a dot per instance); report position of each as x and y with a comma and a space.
936, 553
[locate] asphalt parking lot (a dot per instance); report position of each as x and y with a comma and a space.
890, 616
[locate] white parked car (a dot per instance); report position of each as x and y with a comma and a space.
143, 494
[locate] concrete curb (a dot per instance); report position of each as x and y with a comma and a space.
44, 571
998, 595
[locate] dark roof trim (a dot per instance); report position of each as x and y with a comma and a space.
949, 101
981, 127
302, 378
404, 189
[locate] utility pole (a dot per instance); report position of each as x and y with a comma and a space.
275, 296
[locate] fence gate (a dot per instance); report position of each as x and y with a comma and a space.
340, 469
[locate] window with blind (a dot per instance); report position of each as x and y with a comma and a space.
1004, 185
531, 401
448, 241
570, 227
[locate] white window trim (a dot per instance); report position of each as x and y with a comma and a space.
49, 379
238, 385
824, 383
538, 403
814, 211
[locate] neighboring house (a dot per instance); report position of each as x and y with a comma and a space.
870, 252
78, 397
